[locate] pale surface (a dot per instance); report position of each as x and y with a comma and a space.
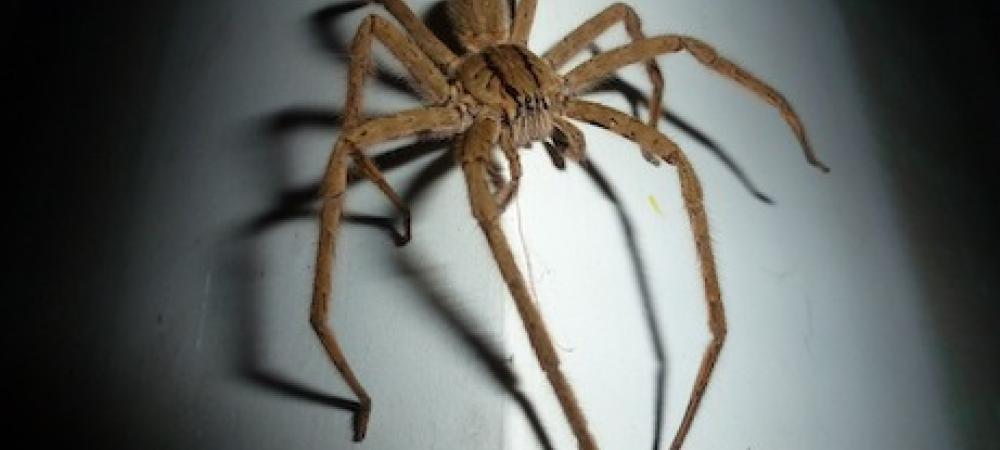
829, 344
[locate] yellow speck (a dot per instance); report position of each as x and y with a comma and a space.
655, 205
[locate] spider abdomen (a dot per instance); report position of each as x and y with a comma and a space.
516, 85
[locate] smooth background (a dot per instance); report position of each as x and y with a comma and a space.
162, 154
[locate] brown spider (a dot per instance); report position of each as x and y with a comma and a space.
499, 93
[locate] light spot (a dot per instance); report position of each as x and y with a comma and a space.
655, 205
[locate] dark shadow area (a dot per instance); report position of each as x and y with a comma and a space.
77, 70
438, 21
929, 75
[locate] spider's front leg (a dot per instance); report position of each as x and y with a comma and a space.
356, 136
601, 65
474, 148
585, 35
429, 83
350, 144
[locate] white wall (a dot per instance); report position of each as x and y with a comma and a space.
830, 342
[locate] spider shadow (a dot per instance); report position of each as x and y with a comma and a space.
299, 202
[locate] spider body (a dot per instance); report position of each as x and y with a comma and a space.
510, 83
500, 94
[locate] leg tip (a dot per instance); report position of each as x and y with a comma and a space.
819, 165
361, 424
404, 238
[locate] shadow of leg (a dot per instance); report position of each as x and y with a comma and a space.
645, 296
637, 99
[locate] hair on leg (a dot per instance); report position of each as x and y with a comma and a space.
691, 192
475, 145
524, 18
574, 146
425, 39
332, 192
694, 204
585, 34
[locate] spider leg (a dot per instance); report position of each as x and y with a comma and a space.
648, 138
429, 82
524, 17
474, 147
575, 146
425, 39
585, 34
478, 24
694, 203
506, 191
333, 187
373, 173
601, 65
659, 144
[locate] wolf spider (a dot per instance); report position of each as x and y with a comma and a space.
499, 93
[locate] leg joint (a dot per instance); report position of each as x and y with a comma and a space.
318, 322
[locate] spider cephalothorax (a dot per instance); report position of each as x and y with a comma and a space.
511, 84
500, 94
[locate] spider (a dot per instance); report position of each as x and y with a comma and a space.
500, 94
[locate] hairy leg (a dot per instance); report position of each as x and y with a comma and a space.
604, 64
691, 192
475, 146
333, 202
524, 17
432, 87
478, 24
428, 42
429, 83
507, 191
648, 138
334, 184
694, 203
575, 146
585, 34
372, 172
